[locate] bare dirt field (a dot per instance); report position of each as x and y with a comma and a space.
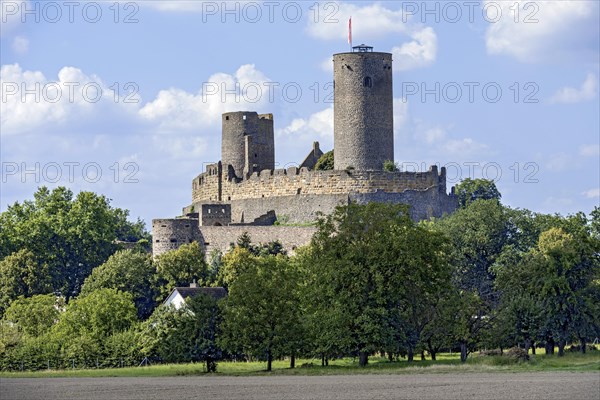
469, 386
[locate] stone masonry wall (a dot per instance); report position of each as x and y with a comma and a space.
294, 181
221, 237
171, 233
293, 209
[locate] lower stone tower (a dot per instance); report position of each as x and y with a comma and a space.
248, 142
363, 124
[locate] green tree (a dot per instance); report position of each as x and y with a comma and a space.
561, 275
184, 335
442, 329
470, 190
22, 274
376, 274
478, 234
214, 265
325, 162
128, 271
97, 315
595, 222
36, 314
71, 235
181, 267
261, 313
264, 249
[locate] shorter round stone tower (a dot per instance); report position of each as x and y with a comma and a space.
248, 142
235, 127
363, 122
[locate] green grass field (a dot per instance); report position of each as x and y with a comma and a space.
446, 363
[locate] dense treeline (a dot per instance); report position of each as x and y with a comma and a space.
371, 281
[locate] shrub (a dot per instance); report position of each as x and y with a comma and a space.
517, 354
390, 166
494, 352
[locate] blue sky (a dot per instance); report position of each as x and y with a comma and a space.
124, 98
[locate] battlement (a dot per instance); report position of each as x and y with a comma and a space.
214, 185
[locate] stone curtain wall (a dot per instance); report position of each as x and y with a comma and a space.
294, 181
221, 237
293, 209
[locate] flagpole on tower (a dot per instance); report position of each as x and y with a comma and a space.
350, 33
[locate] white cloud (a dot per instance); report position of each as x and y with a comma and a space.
327, 65
420, 52
71, 98
317, 126
175, 109
559, 162
592, 193
464, 147
179, 147
437, 141
179, 5
434, 135
543, 29
553, 203
587, 91
400, 116
368, 22
376, 21
20, 45
294, 141
590, 150
10, 15
30, 100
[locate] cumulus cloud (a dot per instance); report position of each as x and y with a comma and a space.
587, 91
368, 22
400, 115
20, 45
590, 150
31, 100
437, 141
375, 21
559, 162
317, 126
592, 193
10, 16
464, 147
420, 52
542, 29
320, 125
178, 6
173, 109
327, 65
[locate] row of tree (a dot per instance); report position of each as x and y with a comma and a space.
371, 281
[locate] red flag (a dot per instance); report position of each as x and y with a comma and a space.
350, 31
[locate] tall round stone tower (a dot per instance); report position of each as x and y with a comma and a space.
363, 122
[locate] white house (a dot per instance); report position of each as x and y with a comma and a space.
180, 294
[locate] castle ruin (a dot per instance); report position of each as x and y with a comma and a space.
245, 193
